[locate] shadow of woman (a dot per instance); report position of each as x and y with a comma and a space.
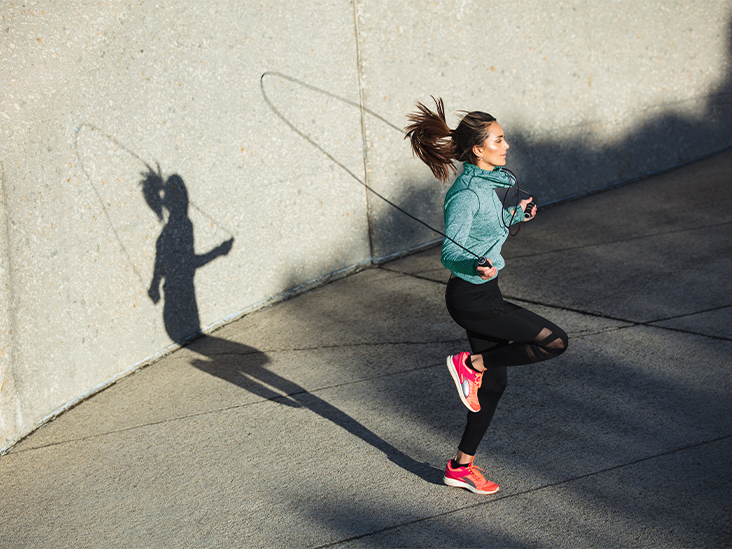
176, 262
244, 366
175, 258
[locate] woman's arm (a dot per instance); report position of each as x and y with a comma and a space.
460, 209
158, 272
222, 249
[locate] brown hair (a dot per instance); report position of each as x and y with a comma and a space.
437, 145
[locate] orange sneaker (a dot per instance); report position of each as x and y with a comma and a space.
466, 380
470, 478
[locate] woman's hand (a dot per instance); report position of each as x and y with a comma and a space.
486, 273
525, 203
154, 293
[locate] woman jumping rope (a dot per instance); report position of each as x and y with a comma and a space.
500, 334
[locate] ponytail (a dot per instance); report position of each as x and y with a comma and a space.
437, 145
431, 139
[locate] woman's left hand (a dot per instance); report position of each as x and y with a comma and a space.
524, 204
486, 273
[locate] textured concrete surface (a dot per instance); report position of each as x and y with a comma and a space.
271, 116
326, 420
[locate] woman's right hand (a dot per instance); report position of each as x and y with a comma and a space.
486, 273
154, 293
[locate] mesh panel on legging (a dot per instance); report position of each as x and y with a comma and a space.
533, 339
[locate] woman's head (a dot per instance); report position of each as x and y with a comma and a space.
176, 195
475, 137
492, 152
170, 194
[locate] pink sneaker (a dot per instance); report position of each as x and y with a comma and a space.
470, 478
466, 380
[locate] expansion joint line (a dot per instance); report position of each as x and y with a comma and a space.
633, 323
528, 491
630, 323
276, 399
362, 112
622, 240
439, 282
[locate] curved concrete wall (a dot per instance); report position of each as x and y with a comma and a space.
169, 166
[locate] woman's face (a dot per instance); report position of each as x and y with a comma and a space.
492, 152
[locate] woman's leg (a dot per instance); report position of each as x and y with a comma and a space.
517, 337
491, 389
501, 334
460, 472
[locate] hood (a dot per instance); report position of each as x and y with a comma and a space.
498, 177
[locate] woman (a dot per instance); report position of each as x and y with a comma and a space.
500, 334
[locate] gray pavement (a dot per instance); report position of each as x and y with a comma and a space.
326, 420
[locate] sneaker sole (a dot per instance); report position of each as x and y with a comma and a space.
456, 379
460, 484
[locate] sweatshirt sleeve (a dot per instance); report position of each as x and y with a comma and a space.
460, 210
510, 218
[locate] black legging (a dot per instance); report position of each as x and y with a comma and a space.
504, 334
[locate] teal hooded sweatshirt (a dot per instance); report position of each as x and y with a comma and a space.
476, 219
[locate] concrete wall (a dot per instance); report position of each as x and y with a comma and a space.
269, 116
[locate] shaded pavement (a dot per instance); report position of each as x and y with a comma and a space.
326, 420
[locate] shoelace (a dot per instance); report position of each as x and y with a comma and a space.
479, 379
475, 470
